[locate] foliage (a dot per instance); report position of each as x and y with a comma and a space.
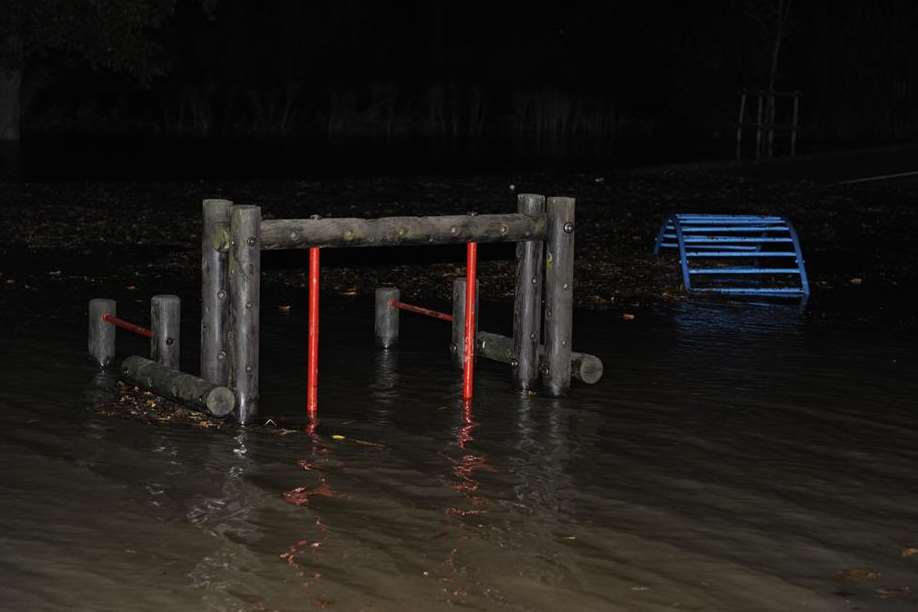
108, 34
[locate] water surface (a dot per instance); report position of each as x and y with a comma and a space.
735, 457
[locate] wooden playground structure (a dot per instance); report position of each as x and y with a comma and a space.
233, 238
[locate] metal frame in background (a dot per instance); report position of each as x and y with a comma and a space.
711, 239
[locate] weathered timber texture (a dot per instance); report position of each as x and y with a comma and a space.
245, 300
102, 333
527, 300
215, 290
387, 315
584, 367
165, 321
391, 231
457, 342
559, 296
192, 391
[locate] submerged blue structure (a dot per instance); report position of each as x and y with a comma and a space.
736, 254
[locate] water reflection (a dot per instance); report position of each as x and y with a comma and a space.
735, 458
102, 386
227, 516
384, 385
466, 466
299, 555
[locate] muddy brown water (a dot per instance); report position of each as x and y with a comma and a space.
734, 457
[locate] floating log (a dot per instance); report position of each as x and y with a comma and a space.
215, 290
399, 231
584, 367
195, 392
559, 296
527, 300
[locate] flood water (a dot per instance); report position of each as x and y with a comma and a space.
734, 457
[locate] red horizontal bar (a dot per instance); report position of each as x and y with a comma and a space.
142, 331
423, 311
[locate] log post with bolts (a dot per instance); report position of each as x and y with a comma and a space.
559, 296
165, 321
101, 333
215, 291
527, 301
386, 317
245, 300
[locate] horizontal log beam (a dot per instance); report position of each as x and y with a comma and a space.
399, 231
192, 391
584, 367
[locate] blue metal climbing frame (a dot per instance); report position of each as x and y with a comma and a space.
736, 254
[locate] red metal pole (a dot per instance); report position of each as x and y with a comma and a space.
142, 331
468, 358
312, 361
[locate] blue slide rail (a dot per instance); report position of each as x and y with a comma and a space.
736, 254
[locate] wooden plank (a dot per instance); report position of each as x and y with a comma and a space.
399, 231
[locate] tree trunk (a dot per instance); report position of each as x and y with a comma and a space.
10, 122
783, 12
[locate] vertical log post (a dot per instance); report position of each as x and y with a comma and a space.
387, 315
559, 296
527, 301
102, 333
165, 321
794, 119
457, 342
245, 299
215, 291
758, 125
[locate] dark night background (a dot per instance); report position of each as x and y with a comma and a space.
739, 454
219, 87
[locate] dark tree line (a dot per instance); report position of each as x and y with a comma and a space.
562, 78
